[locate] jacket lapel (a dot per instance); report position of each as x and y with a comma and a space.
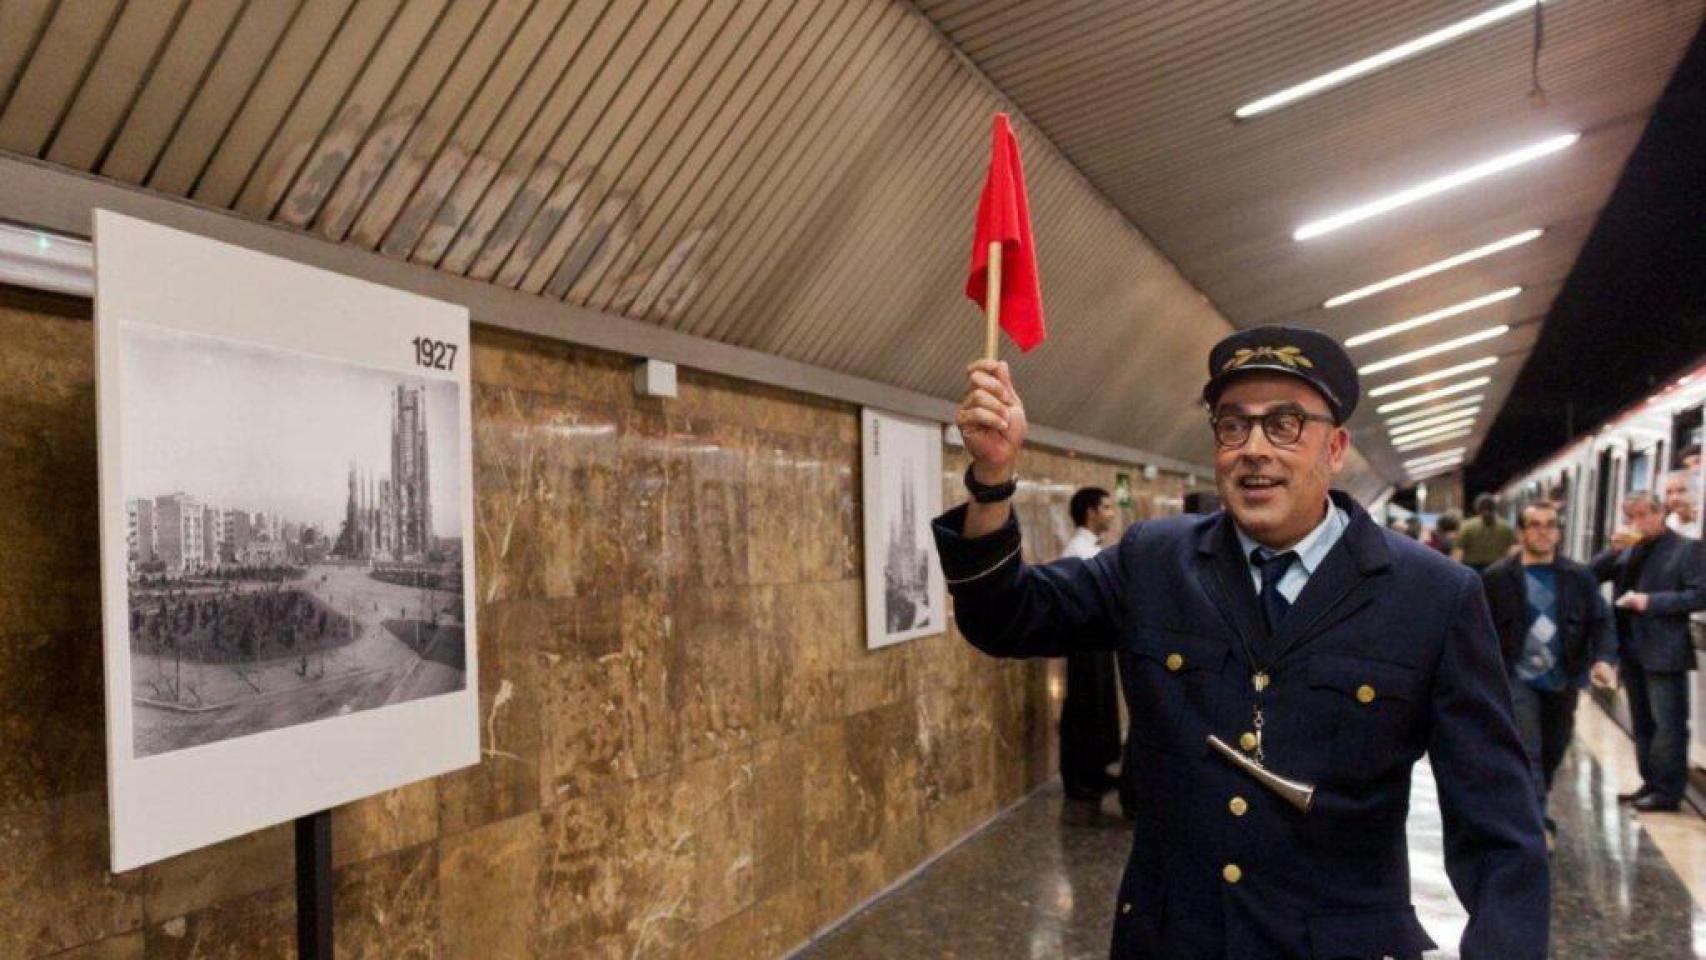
1225, 576
1349, 577
1658, 562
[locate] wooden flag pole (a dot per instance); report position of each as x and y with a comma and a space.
992, 302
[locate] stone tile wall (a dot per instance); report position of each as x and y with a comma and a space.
688, 749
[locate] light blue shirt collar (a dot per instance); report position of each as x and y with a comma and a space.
1311, 550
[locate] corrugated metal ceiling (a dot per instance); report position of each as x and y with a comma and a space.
792, 177
797, 177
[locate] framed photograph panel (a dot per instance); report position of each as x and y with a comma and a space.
286, 538
904, 591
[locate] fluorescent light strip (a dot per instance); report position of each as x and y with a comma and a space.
1399, 385
1443, 438
1432, 431
1381, 333
1434, 420
1468, 256
1433, 394
1436, 460
1435, 470
1437, 185
1384, 58
1438, 348
1432, 411
1436, 457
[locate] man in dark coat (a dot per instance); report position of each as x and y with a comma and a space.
1555, 632
1286, 636
1658, 582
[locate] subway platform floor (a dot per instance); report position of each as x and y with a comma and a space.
1627, 886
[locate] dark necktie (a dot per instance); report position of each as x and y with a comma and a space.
1274, 603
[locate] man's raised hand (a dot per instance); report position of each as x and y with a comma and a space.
992, 421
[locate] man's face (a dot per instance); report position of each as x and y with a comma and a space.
1277, 493
1539, 532
1644, 517
1100, 519
1677, 500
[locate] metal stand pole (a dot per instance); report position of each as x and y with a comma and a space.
314, 886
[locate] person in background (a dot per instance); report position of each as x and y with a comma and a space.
1555, 633
1090, 713
1444, 535
1658, 582
1484, 538
1682, 502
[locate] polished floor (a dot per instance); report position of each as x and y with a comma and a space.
1029, 886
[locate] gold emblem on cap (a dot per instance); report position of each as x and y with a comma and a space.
1290, 356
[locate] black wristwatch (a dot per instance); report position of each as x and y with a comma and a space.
985, 493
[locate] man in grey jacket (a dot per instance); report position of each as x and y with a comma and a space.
1658, 582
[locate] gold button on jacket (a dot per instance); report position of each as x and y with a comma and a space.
1365, 694
1238, 806
1174, 661
1232, 873
1247, 741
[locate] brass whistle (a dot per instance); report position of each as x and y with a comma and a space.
1299, 795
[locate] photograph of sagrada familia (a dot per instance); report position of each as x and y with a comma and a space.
391, 519
294, 538
904, 593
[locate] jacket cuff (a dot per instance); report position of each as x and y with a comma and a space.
968, 559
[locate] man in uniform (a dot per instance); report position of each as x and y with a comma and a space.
1286, 662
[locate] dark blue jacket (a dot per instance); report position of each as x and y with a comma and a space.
1674, 580
1394, 656
1583, 618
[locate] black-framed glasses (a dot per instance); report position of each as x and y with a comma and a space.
1282, 427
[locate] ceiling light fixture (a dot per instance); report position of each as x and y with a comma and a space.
1433, 429
1401, 385
1436, 349
1433, 420
1384, 58
1421, 444
1431, 411
1433, 394
1433, 458
1434, 470
1437, 185
1467, 256
1381, 333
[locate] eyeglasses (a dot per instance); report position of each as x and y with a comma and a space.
1282, 427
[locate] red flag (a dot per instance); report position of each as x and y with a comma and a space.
1004, 215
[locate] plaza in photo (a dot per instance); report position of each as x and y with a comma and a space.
293, 541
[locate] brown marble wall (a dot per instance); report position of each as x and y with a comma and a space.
688, 749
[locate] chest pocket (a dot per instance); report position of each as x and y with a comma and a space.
1173, 679
1370, 704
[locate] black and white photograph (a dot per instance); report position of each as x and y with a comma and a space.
904, 592
287, 560
293, 532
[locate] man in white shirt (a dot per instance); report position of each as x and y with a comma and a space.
1089, 715
1682, 503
